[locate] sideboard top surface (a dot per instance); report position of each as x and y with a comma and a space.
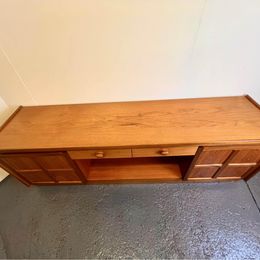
199, 121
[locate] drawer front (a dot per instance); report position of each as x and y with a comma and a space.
164, 151
99, 154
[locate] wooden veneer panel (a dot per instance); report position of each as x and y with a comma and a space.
138, 169
200, 121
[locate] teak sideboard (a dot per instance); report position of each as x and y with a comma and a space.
202, 139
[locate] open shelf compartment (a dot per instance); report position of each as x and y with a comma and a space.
150, 169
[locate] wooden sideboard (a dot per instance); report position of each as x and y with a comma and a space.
202, 139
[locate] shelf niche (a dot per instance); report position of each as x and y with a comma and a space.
149, 169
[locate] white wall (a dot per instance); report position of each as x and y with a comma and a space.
226, 57
74, 51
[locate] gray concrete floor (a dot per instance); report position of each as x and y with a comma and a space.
214, 220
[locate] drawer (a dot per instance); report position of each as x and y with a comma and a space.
99, 154
164, 151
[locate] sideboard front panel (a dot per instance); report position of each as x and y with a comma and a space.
42, 168
228, 163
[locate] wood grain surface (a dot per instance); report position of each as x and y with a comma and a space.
226, 120
141, 169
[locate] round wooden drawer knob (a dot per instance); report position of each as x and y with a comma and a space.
99, 154
164, 152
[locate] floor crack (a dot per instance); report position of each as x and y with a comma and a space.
253, 196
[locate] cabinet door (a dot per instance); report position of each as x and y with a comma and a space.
223, 163
240, 165
39, 168
207, 163
246, 156
26, 167
59, 168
